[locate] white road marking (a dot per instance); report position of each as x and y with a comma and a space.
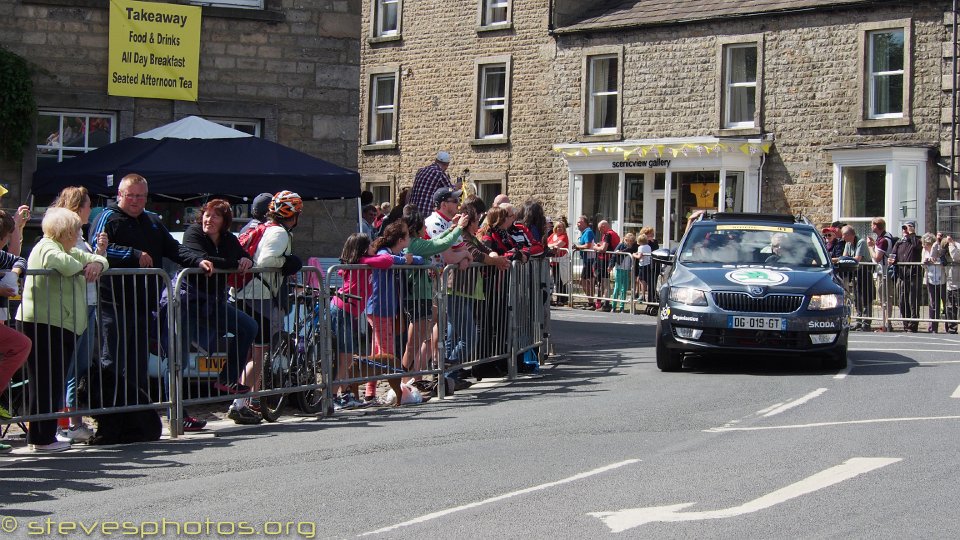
824, 424
795, 403
908, 350
634, 517
441, 513
846, 371
956, 393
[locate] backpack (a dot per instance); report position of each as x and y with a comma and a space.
249, 241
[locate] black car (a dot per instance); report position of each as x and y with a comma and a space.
756, 284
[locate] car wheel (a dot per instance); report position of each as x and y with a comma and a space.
836, 359
667, 359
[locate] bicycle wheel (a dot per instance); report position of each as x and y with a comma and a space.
276, 366
308, 370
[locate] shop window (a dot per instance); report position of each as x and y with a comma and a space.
740, 86
382, 113
600, 198
63, 135
492, 105
603, 94
244, 4
386, 18
494, 12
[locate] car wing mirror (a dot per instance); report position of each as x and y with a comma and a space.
846, 264
663, 256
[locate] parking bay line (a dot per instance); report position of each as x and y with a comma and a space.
441, 513
826, 424
791, 404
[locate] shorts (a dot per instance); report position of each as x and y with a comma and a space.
587, 271
418, 310
345, 328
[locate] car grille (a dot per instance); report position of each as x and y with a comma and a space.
773, 303
722, 337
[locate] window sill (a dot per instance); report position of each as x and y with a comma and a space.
208, 11
737, 132
604, 137
378, 147
376, 40
883, 122
490, 141
495, 27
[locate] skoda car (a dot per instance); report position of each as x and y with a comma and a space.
752, 284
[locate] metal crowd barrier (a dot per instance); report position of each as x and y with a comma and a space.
594, 279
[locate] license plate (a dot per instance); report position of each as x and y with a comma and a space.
756, 323
210, 364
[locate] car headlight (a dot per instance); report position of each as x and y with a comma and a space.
688, 296
823, 302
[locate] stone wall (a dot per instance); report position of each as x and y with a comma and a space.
294, 66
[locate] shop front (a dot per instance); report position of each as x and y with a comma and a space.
659, 183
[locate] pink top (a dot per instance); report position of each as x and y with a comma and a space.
358, 282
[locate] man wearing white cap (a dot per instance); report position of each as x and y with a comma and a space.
428, 180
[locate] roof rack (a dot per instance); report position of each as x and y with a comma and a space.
751, 216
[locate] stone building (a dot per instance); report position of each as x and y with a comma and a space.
640, 112
286, 71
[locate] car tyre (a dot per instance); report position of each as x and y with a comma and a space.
836, 360
667, 359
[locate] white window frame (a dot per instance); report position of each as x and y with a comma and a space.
866, 117
50, 146
873, 75
481, 133
238, 123
591, 58
486, 104
488, 10
729, 86
375, 140
239, 4
902, 164
379, 7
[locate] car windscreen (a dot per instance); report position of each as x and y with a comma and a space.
753, 244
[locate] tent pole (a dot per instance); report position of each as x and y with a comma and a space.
359, 215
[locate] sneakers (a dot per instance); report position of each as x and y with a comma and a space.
5, 448
191, 423
5, 414
232, 388
55, 446
345, 402
75, 434
244, 416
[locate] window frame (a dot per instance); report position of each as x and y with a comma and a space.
45, 149
370, 111
587, 119
231, 4
724, 46
480, 67
232, 123
377, 35
486, 8
865, 117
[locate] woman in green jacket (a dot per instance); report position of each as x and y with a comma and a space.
418, 300
54, 313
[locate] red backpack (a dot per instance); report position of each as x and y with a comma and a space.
249, 241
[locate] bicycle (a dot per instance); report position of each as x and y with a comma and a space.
292, 360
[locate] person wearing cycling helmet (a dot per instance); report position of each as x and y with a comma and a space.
261, 296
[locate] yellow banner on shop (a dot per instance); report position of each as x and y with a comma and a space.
154, 50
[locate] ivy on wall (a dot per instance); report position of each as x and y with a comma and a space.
17, 105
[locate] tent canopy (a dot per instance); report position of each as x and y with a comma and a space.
195, 156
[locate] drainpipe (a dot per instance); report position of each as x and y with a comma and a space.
763, 159
953, 112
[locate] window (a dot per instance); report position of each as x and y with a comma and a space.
488, 191
247, 4
740, 86
381, 192
382, 123
885, 74
63, 135
885, 82
494, 12
493, 101
386, 18
247, 126
603, 94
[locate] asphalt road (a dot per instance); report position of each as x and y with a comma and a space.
602, 444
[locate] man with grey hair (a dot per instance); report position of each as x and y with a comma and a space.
428, 180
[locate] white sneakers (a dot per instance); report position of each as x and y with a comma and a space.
76, 434
55, 446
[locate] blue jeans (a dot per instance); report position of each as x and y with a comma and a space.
208, 330
461, 330
80, 361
